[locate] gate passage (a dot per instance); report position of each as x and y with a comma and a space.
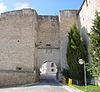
48, 71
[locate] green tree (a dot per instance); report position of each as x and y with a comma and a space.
75, 51
94, 48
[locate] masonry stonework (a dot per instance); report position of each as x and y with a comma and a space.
48, 40
17, 43
27, 40
66, 18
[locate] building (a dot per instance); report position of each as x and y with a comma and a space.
27, 40
48, 67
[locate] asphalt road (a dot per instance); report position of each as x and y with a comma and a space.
45, 85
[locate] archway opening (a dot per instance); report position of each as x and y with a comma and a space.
48, 71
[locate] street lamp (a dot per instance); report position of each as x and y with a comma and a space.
81, 61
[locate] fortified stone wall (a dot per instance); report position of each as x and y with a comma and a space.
66, 18
48, 43
27, 40
17, 45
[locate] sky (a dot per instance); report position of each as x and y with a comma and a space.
43, 7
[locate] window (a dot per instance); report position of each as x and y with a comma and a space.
52, 64
86, 3
40, 42
48, 44
18, 68
52, 70
18, 41
83, 19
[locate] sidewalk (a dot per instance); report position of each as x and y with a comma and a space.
70, 89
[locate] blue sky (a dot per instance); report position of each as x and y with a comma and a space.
43, 7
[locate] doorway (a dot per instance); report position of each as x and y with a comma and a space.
48, 71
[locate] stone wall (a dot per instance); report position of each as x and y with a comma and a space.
52, 55
12, 78
27, 40
48, 32
66, 18
17, 43
48, 43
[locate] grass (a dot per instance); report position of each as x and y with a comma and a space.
94, 87
90, 88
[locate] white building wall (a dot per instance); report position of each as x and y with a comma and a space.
47, 68
86, 16
85, 19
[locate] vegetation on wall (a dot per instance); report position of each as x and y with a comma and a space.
94, 48
75, 51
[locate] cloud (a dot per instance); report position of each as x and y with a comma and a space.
2, 7
21, 5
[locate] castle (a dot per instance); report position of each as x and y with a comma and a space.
27, 40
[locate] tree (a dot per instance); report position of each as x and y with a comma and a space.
75, 51
94, 48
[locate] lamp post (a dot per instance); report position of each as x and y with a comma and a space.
81, 61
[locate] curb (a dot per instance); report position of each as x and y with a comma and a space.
29, 84
70, 89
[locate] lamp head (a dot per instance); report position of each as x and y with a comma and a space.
81, 61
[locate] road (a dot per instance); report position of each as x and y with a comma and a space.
44, 85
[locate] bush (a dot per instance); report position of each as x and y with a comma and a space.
66, 73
